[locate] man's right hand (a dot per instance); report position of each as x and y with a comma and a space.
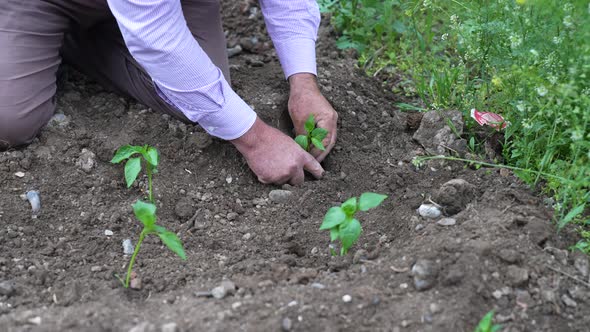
275, 157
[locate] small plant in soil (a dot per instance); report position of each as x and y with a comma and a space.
133, 165
314, 136
486, 324
341, 222
145, 211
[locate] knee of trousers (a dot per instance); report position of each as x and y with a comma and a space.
19, 127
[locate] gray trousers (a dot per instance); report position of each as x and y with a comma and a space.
36, 35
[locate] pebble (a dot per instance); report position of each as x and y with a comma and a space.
429, 211
143, 327
19, 174
35, 201
7, 288
236, 305
58, 120
568, 301
317, 285
231, 52
86, 161
347, 298
232, 216
497, 294
128, 247
169, 327
582, 264
108, 232
225, 288
203, 294
96, 269
517, 276
425, 272
447, 222
35, 320
247, 236
419, 227
280, 196
287, 324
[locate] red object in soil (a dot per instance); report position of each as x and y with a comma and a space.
493, 120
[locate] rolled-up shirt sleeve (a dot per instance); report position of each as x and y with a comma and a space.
157, 36
293, 27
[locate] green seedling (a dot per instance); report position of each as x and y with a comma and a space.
314, 136
341, 222
146, 213
133, 165
486, 324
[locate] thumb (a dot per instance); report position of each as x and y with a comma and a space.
313, 166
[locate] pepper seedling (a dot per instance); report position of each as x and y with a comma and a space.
314, 136
341, 222
133, 165
146, 213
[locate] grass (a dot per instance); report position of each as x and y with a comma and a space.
528, 60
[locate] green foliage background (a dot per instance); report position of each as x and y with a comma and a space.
528, 60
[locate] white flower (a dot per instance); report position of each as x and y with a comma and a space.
526, 124
445, 36
515, 41
568, 7
577, 135
542, 90
534, 52
454, 19
520, 106
568, 21
557, 40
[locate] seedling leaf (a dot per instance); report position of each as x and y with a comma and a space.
152, 156
368, 201
146, 213
349, 207
485, 324
302, 141
125, 152
318, 144
319, 133
173, 243
310, 124
349, 234
132, 169
571, 215
334, 217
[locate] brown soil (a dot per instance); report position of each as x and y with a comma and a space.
503, 252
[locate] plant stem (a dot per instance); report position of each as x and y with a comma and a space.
564, 180
149, 174
132, 261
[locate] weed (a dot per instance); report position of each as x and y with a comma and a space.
341, 222
486, 324
314, 135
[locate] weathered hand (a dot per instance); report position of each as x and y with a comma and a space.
274, 157
305, 99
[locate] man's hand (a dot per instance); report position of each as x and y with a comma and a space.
275, 157
305, 99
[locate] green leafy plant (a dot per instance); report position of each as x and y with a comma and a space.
341, 222
486, 324
133, 165
314, 136
146, 213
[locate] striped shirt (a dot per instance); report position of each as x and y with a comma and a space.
157, 36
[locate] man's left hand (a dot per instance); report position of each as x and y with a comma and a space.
306, 99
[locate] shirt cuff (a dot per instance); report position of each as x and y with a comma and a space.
297, 56
232, 121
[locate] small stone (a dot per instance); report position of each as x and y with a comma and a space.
169, 327
225, 288
7, 288
108, 232
317, 285
582, 264
135, 283
509, 255
128, 247
143, 327
286, 324
292, 303
497, 294
96, 269
434, 308
86, 160
231, 52
568, 301
424, 272
447, 222
232, 216
203, 294
419, 227
346, 298
517, 276
19, 174
429, 211
280, 196
58, 120
247, 236
314, 250
236, 305
35, 320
